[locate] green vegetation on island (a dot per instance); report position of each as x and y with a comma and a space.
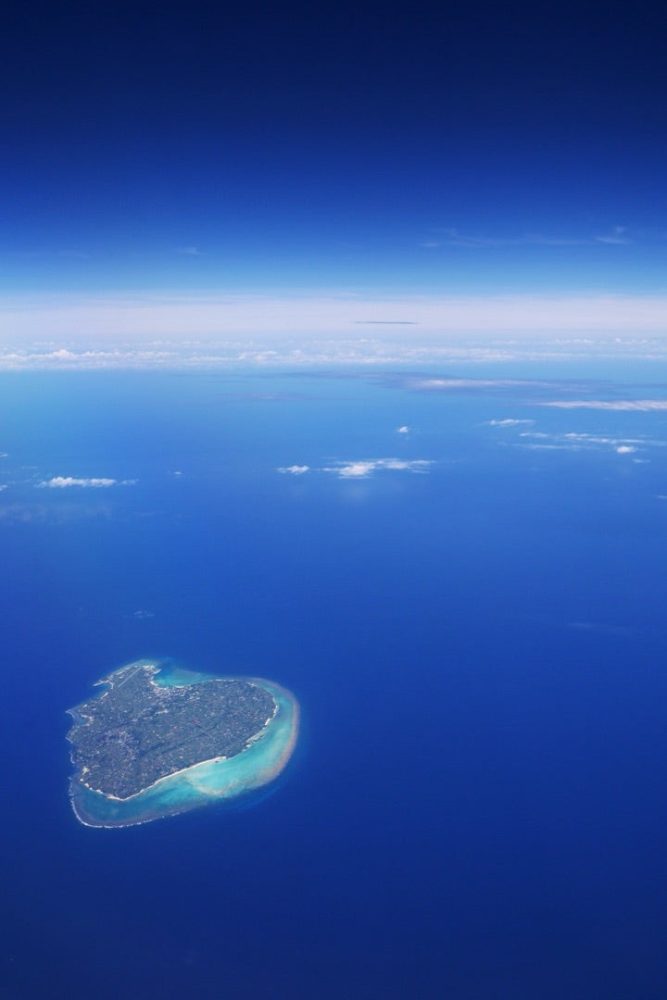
160, 740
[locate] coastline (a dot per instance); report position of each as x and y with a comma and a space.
216, 779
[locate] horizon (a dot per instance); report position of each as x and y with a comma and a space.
333, 355
413, 159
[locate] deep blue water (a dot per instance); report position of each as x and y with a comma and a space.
477, 807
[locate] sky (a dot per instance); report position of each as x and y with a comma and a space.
388, 154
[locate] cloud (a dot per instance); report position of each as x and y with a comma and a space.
577, 441
602, 439
364, 468
639, 405
404, 429
121, 329
66, 482
508, 422
189, 355
453, 238
361, 468
617, 237
189, 251
447, 384
294, 470
3, 487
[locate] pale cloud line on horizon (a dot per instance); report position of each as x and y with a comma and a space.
199, 353
225, 354
141, 317
629, 405
66, 482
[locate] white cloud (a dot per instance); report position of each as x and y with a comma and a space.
552, 447
133, 319
640, 405
65, 482
294, 470
403, 429
3, 487
616, 236
454, 238
364, 468
445, 384
577, 441
509, 422
601, 439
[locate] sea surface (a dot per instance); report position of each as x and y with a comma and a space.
477, 806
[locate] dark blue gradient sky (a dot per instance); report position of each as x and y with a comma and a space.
432, 148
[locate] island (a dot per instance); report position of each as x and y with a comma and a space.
161, 740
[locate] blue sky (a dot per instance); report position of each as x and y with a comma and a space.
447, 150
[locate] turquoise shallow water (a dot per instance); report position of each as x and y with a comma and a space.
476, 804
204, 783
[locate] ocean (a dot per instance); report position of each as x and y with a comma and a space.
463, 585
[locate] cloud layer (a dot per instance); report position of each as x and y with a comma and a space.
640, 405
582, 441
141, 329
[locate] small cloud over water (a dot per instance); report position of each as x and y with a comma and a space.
294, 470
68, 482
364, 468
